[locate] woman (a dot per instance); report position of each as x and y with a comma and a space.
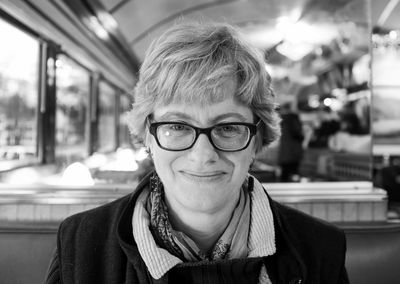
203, 107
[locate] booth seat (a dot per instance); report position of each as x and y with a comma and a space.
356, 201
373, 252
25, 251
29, 221
50, 203
331, 201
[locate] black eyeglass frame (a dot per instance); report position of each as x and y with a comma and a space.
207, 131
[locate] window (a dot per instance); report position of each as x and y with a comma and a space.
106, 121
71, 110
19, 56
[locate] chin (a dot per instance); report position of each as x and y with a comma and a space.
204, 205
205, 194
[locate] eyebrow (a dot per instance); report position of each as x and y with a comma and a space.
229, 115
216, 119
177, 114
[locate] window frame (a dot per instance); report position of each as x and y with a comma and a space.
38, 158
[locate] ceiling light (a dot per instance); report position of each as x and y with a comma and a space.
294, 52
393, 34
97, 28
327, 102
312, 34
262, 37
107, 20
313, 101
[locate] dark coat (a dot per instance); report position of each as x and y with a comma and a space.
97, 246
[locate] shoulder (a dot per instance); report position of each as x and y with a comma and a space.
319, 246
94, 221
104, 216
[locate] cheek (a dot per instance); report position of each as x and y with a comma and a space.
163, 160
163, 165
249, 155
241, 161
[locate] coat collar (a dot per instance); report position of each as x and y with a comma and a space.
289, 262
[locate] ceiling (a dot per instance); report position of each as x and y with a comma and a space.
266, 23
263, 21
287, 31
114, 34
385, 14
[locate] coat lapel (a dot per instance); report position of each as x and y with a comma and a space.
287, 264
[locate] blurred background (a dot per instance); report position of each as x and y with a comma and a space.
67, 69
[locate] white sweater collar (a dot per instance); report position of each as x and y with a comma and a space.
159, 261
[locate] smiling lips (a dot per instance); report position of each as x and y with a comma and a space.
203, 176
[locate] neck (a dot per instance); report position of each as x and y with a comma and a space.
203, 228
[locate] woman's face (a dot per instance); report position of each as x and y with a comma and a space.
202, 178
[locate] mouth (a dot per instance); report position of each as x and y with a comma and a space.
203, 176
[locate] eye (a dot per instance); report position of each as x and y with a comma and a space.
229, 128
228, 131
175, 130
178, 127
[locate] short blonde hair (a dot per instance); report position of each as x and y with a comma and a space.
191, 62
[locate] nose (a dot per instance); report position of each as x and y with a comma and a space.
203, 151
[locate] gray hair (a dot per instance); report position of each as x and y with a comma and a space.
191, 63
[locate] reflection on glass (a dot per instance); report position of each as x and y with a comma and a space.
18, 94
106, 122
320, 69
71, 112
124, 136
386, 114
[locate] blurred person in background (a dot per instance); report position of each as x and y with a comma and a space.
351, 136
290, 150
328, 124
204, 107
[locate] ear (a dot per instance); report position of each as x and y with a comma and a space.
255, 147
148, 140
146, 136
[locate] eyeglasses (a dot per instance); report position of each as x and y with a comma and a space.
179, 136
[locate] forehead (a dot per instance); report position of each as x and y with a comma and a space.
201, 90
226, 110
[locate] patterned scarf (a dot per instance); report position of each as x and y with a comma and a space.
231, 244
